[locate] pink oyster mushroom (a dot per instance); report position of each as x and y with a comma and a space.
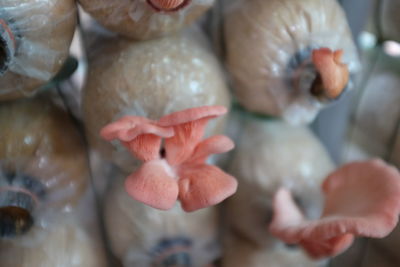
178, 169
362, 199
168, 5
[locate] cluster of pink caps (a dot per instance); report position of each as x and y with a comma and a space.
361, 198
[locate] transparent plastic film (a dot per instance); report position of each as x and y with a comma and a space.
288, 58
33, 146
145, 19
35, 36
148, 79
271, 154
44, 189
143, 236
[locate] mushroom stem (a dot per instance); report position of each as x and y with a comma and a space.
7, 46
168, 5
333, 75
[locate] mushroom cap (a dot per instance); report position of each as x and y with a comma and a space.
361, 199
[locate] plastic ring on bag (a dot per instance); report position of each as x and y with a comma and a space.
18, 201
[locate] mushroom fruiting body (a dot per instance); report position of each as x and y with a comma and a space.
284, 56
146, 19
168, 5
361, 199
333, 74
178, 169
35, 37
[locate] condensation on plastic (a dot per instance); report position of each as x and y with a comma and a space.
41, 31
268, 42
42, 154
143, 236
389, 19
150, 79
137, 19
271, 154
240, 252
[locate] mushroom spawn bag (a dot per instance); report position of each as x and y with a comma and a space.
35, 36
141, 236
47, 214
149, 79
270, 47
